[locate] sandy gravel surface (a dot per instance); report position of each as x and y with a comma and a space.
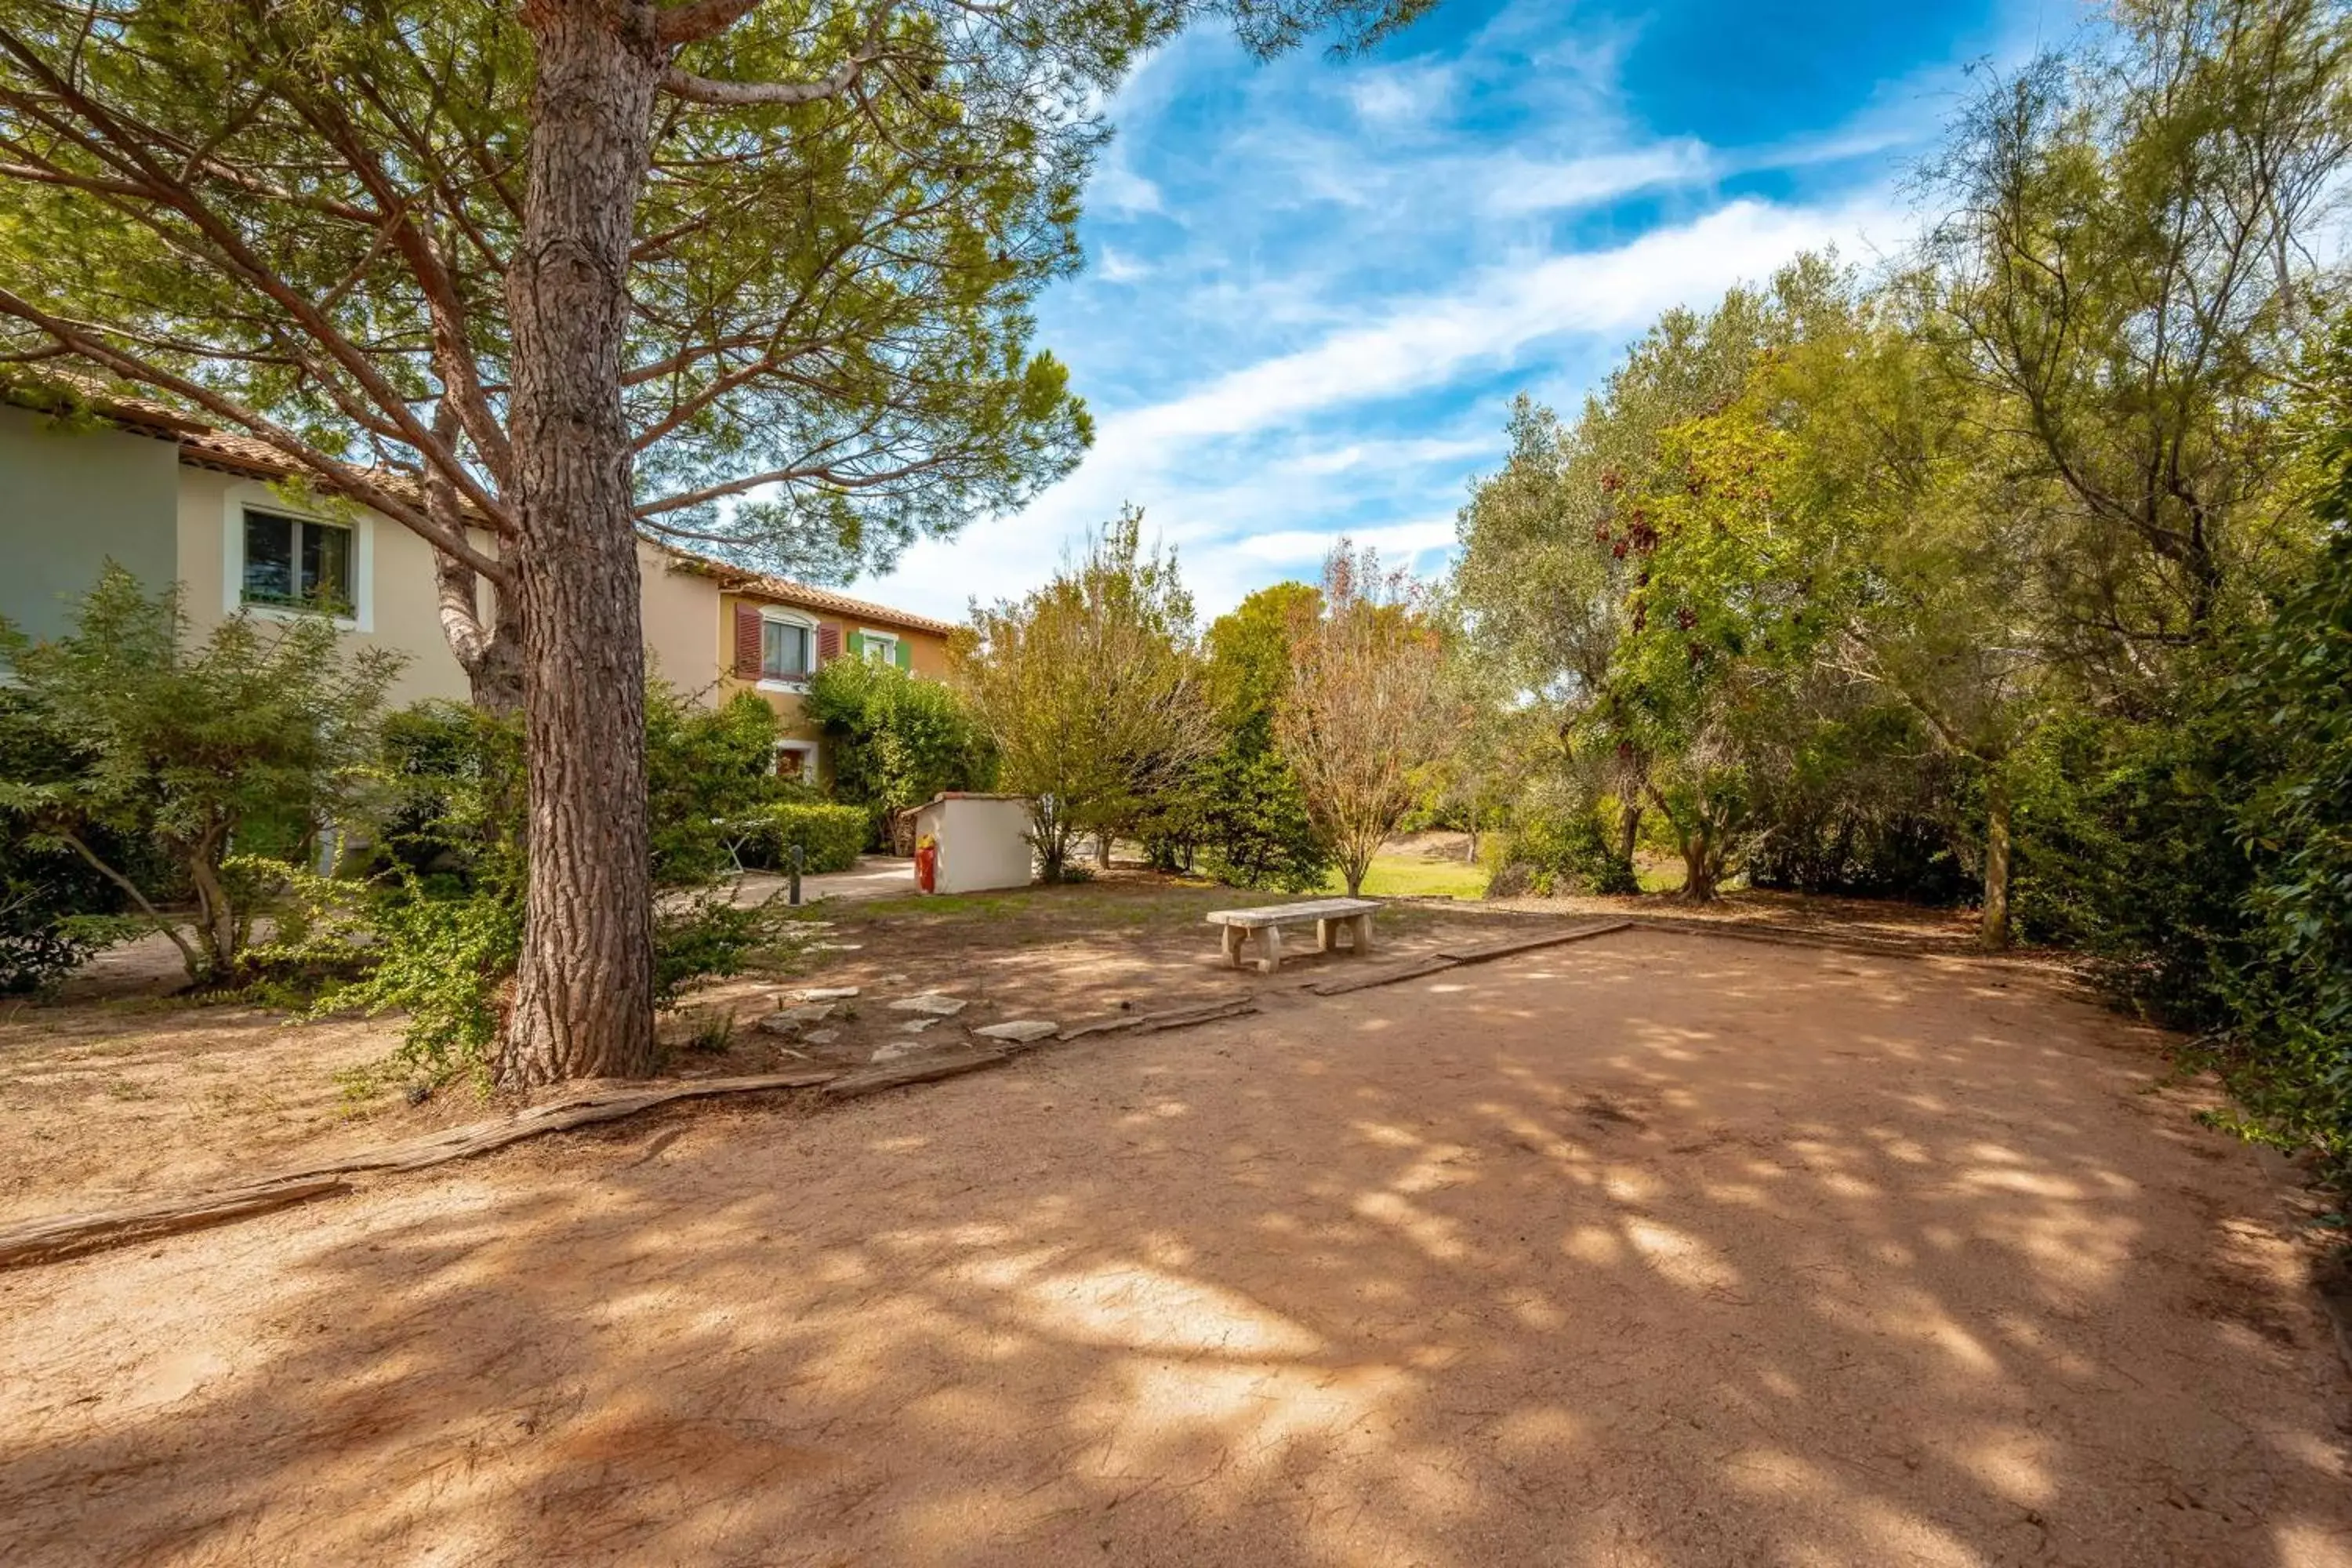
114, 1093
1649, 1250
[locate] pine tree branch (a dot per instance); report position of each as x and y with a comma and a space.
356, 483
680, 82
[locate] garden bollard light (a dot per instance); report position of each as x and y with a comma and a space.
794, 897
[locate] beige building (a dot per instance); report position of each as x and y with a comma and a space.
774, 634
72, 499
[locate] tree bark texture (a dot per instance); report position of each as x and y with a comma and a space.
1698, 869
584, 996
489, 652
489, 649
1993, 931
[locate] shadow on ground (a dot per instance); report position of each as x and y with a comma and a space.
1649, 1250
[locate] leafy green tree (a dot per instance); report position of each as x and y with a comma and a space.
1555, 545
53, 904
530, 289
214, 752
1091, 689
896, 740
2125, 270
1249, 814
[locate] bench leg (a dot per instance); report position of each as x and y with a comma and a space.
1232, 936
1269, 949
1326, 934
1363, 939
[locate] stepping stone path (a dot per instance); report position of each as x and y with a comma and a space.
823, 993
821, 1037
917, 1027
931, 1002
791, 1021
1018, 1031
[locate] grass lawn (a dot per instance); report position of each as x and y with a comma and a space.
1413, 876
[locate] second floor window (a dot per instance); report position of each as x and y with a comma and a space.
297, 563
785, 647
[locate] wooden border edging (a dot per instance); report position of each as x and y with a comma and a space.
602, 1104
919, 1069
1782, 936
1166, 1018
63, 1235
1412, 970
45, 1240
1529, 943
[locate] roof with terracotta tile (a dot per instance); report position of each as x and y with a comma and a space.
802, 595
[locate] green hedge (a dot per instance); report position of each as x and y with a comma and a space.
830, 837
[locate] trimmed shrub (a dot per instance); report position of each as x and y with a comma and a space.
831, 837
894, 740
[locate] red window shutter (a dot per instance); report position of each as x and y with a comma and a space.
828, 642
747, 641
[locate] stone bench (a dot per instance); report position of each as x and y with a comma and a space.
1329, 916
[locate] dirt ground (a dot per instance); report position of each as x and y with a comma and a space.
114, 1092
1654, 1249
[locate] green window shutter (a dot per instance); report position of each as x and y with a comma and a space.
857, 645
905, 655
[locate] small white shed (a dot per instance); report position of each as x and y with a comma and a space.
983, 840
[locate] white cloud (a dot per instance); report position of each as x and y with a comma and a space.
1385, 455
1409, 96
1119, 189
1427, 342
1522, 185
1239, 470
1117, 268
1399, 541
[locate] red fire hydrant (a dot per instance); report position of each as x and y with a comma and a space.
927, 863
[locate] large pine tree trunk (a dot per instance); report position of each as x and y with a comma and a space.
583, 999
1993, 931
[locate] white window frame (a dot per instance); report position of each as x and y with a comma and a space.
868, 636
808, 754
789, 618
261, 498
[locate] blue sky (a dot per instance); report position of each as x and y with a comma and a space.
1312, 288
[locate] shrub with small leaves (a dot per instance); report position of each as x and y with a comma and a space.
830, 837
191, 749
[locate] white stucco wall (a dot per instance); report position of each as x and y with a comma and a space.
397, 607
396, 604
980, 841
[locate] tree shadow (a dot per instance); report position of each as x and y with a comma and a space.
1647, 1250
